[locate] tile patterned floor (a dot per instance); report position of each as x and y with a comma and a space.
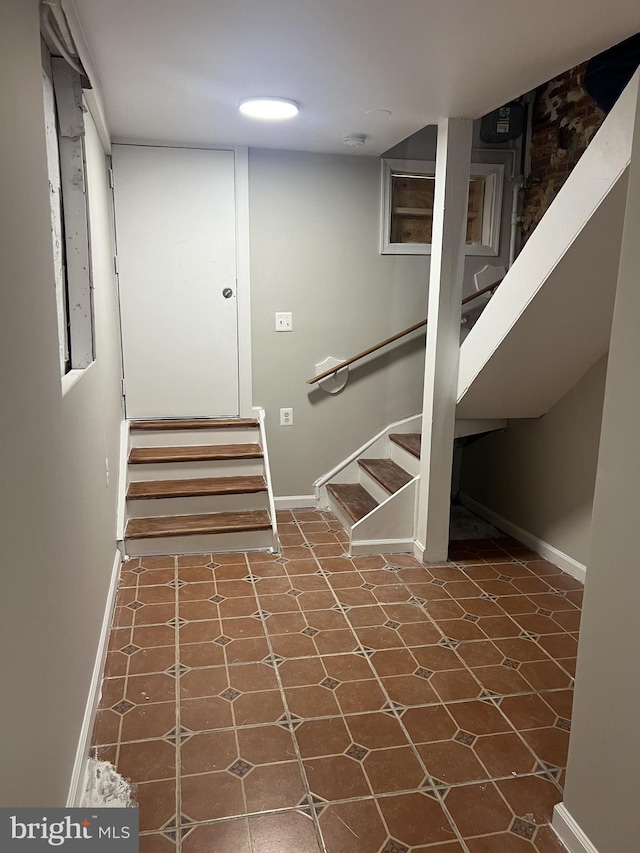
312, 703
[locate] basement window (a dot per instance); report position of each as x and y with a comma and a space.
64, 127
408, 188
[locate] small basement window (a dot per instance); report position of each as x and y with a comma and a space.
64, 128
408, 188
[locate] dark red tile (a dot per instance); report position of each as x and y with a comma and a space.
376, 731
205, 753
211, 795
354, 827
323, 737
156, 803
336, 778
451, 762
232, 835
504, 755
393, 769
276, 833
147, 761
429, 724
415, 820
531, 795
274, 786
478, 809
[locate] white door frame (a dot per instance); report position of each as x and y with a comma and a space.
243, 289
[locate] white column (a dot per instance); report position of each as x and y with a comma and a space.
453, 161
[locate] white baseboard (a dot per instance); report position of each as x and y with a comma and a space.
295, 501
364, 547
76, 786
570, 832
545, 549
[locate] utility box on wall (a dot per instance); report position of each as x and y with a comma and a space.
503, 124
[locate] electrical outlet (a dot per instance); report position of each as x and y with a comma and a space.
286, 417
284, 321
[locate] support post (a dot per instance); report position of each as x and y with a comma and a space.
453, 160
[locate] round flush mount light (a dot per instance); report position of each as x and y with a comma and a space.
269, 109
355, 140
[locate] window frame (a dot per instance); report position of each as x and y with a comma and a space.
64, 123
493, 175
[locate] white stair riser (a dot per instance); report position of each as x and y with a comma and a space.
196, 505
372, 485
208, 543
147, 471
405, 459
191, 437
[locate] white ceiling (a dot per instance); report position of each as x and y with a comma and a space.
173, 71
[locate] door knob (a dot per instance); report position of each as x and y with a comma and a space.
227, 293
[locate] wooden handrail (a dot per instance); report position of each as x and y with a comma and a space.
393, 338
482, 291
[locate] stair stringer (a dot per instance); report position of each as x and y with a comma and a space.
550, 319
387, 529
275, 540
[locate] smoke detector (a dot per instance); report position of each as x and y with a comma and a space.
355, 140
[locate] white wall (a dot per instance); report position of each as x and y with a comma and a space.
540, 474
57, 524
314, 226
601, 791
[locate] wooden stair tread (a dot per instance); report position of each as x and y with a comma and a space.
195, 423
190, 525
196, 487
410, 441
353, 498
386, 472
195, 453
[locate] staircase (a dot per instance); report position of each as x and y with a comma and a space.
196, 486
546, 325
373, 492
379, 480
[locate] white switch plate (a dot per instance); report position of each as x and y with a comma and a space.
284, 321
286, 417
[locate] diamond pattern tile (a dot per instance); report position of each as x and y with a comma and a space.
344, 696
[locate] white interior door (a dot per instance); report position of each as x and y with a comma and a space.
176, 232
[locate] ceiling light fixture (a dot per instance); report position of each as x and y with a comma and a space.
269, 109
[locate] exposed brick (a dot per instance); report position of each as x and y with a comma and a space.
560, 103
